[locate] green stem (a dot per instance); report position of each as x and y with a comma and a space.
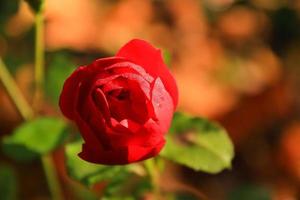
153, 172
39, 69
39, 72
15, 93
51, 176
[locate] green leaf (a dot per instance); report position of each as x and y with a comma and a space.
8, 183
59, 69
199, 144
89, 173
35, 138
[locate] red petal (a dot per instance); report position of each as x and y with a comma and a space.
135, 105
70, 91
129, 67
145, 55
162, 104
100, 101
148, 135
90, 120
88, 135
138, 153
106, 157
119, 156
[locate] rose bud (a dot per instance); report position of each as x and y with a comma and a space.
122, 105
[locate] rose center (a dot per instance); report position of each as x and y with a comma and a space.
126, 100
120, 94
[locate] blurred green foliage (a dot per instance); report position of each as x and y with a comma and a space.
35, 4
167, 57
250, 192
8, 183
13, 62
60, 67
286, 29
35, 138
118, 198
7, 9
199, 144
184, 196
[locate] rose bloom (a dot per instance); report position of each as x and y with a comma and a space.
122, 105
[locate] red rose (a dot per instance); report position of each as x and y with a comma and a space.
123, 105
